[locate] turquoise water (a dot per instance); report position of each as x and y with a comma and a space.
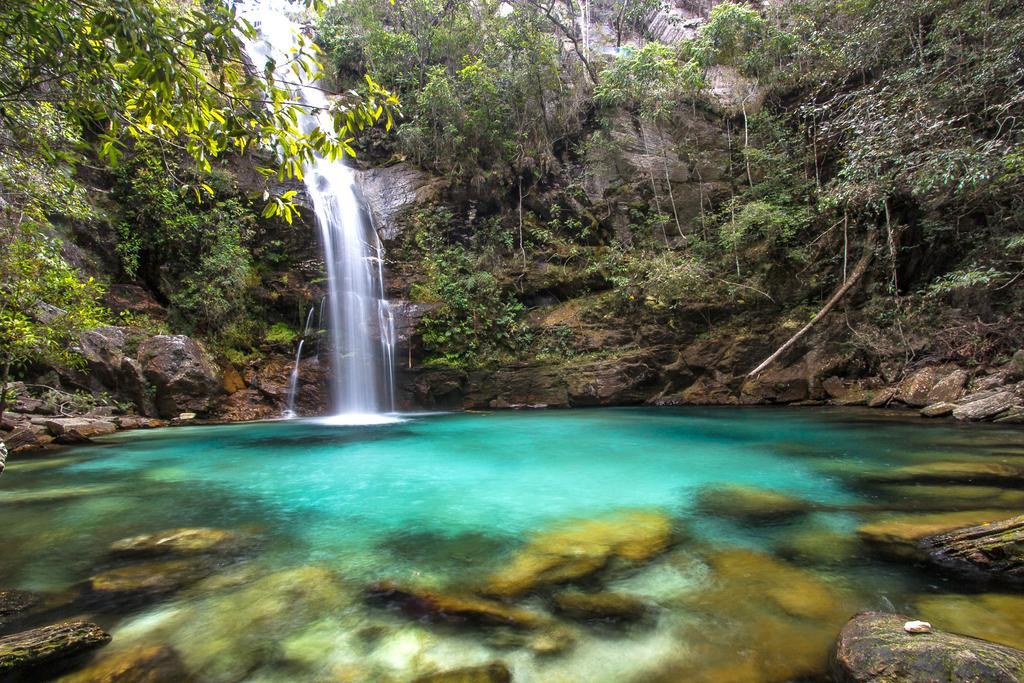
446, 499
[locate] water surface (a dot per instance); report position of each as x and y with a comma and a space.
445, 500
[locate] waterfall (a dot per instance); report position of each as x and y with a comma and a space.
358, 319
293, 379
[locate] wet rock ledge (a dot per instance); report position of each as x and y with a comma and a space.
874, 647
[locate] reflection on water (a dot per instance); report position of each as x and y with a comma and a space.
597, 545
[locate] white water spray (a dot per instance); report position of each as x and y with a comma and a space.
358, 318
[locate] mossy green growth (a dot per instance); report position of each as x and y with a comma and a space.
280, 333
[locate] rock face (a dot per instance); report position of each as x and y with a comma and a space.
989, 551
42, 650
874, 647
185, 378
391, 190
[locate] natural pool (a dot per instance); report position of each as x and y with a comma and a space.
719, 584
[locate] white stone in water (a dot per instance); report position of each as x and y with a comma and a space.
917, 627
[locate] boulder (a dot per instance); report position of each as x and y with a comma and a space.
144, 664
136, 422
1013, 416
40, 652
882, 398
186, 380
601, 606
874, 647
184, 542
900, 536
941, 409
986, 408
578, 549
993, 551
434, 605
78, 429
914, 390
750, 504
949, 388
110, 368
495, 672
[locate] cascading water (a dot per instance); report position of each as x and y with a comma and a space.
358, 318
293, 379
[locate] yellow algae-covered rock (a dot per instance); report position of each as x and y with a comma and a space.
998, 617
749, 503
606, 605
144, 664
795, 591
577, 549
763, 620
898, 535
953, 497
953, 471
495, 672
424, 603
820, 545
180, 542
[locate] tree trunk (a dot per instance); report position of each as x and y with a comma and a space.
858, 272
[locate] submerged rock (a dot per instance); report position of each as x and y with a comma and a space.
761, 621
983, 472
794, 591
991, 551
820, 545
55, 495
495, 672
422, 603
182, 542
146, 664
602, 606
576, 550
148, 580
900, 536
874, 647
991, 616
940, 497
750, 504
42, 651
15, 603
